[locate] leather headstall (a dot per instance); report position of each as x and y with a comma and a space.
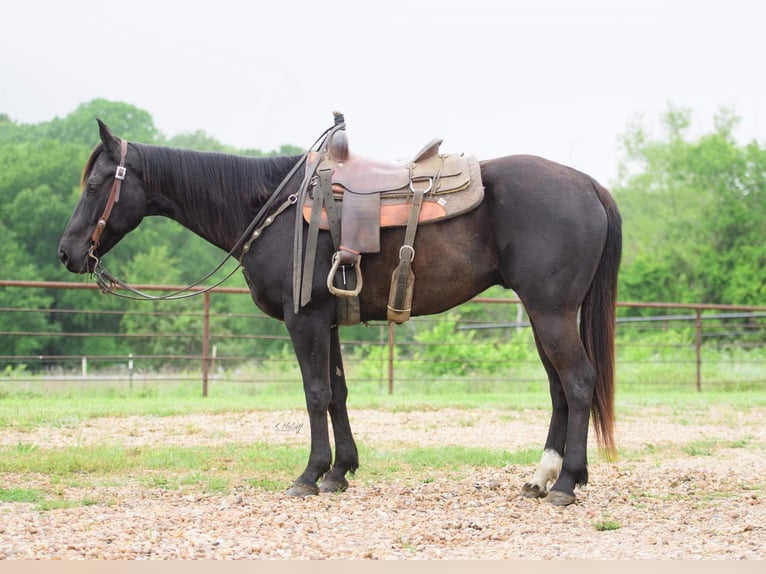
114, 197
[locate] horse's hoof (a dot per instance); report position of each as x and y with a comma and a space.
532, 491
332, 485
302, 489
558, 498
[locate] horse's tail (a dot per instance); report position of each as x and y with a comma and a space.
597, 324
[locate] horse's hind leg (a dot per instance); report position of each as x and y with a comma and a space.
346, 455
559, 338
549, 468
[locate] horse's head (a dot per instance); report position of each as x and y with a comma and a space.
113, 202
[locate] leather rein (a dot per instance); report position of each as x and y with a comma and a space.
109, 283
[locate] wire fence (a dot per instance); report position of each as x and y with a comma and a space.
486, 344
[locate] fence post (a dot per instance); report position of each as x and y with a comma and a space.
205, 342
698, 346
390, 358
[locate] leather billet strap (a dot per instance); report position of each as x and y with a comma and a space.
114, 195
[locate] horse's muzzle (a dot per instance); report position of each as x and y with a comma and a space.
82, 265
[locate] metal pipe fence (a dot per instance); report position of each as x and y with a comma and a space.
486, 343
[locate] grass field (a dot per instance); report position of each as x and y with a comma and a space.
45, 404
215, 469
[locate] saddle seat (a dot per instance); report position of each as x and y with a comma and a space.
363, 175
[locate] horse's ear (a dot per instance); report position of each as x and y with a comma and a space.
111, 142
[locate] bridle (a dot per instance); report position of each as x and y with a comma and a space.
114, 197
109, 283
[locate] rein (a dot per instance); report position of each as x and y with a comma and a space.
109, 283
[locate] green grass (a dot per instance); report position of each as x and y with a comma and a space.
695, 448
198, 464
704, 447
30, 406
262, 466
41, 500
20, 495
606, 524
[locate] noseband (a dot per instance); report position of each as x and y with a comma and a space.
114, 197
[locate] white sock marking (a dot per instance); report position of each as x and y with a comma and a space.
548, 470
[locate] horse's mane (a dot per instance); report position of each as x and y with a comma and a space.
192, 175
218, 191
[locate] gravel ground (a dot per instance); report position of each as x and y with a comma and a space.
666, 503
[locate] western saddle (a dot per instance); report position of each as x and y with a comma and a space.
352, 197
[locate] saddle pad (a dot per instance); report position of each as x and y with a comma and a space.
437, 205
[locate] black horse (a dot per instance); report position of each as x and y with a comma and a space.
549, 232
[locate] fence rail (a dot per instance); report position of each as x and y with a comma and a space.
718, 345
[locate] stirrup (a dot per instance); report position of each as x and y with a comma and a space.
334, 269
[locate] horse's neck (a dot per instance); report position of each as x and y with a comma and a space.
206, 193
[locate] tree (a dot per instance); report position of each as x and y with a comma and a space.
199, 141
693, 213
79, 127
14, 264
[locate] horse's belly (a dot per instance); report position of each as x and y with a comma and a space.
455, 260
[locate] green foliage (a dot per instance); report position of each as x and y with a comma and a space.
694, 212
198, 140
124, 119
15, 264
447, 349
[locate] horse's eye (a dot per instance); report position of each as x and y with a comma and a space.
91, 188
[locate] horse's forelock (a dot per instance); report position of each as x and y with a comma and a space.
89, 164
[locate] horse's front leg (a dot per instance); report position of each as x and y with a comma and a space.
310, 335
346, 455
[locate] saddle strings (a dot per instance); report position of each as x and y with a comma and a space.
107, 282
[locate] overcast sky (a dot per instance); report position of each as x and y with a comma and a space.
561, 79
